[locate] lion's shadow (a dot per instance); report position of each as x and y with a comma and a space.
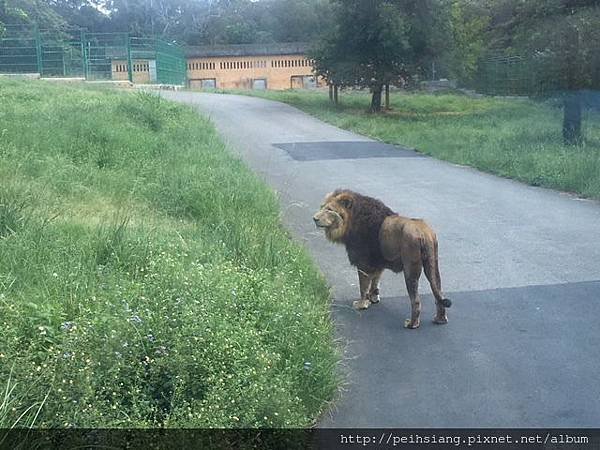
508, 356
388, 315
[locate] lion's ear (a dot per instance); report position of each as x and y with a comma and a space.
346, 202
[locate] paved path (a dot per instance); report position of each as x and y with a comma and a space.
521, 264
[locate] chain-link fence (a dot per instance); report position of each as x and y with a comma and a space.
505, 75
103, 53
93, 56
538, 75
498, 74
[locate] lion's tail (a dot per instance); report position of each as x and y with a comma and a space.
429, 252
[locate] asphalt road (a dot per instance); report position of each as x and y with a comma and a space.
521, 264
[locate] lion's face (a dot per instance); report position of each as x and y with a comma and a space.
334, 215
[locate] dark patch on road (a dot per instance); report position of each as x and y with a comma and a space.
318, 151
513, 357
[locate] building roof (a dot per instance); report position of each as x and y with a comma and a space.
283, 48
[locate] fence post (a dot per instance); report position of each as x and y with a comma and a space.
84, 59
158, 58
38, 50
129, 61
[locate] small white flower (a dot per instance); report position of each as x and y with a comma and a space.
67, 326
135, 318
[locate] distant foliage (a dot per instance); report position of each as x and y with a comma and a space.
26, 12
193, 22
469, 22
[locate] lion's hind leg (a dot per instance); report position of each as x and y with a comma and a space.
432, 272
412, 273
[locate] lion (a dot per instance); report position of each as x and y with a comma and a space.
376, 238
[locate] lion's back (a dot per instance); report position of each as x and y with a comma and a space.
403, 235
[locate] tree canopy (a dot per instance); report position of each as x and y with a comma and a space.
192, 22
29, 12
377, 42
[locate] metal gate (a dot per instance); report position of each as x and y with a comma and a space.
93, 56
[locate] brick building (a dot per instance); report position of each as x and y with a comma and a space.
142, 71
250, 66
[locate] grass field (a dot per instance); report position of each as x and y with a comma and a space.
145, 278
519, 139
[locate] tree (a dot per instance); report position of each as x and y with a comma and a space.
469, 21
367, 46
144, 16
562, 41
234, 22
29, 12
82, 13
328, 64
374, 43
248, 21
429, 35
294, 20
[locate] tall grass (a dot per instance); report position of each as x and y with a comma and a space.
145, 278
9, 399
519, 139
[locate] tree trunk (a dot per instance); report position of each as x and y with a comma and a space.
572, 119
331, 93
376, 98
335, 94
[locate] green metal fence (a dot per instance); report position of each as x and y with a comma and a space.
505, 75
93, 56
61, 54
518, 75
171, 63
101, 51
51, 54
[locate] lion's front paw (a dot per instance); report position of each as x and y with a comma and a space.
440, 320
411, 324
361, 304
